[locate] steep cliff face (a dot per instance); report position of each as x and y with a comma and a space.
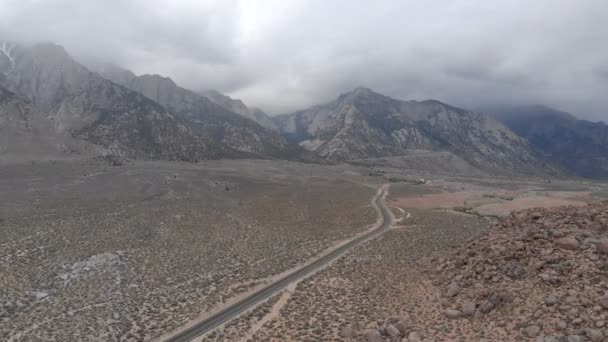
26, 134
577, 145
365, 124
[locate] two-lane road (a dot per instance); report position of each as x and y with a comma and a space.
232, 311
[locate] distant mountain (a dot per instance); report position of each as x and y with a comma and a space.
156, 119
239, 107
22, 129
224, 125
364, 124
84, 105
26, 134
577, 145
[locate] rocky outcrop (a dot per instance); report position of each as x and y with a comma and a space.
541, 272
364, 124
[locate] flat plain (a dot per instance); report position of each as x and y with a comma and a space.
135, 252
94, 252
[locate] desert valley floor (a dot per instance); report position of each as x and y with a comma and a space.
135, 252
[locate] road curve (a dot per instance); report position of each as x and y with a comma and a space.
232, 311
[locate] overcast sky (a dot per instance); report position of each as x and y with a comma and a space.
283, 55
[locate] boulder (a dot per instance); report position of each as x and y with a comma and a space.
603, 302
453, 290
468, 308
486, 306
595, 335
602, 246
401, 326
392, 331
373, 335
532, 331
347, 332
414, 336
569, 243
453, 314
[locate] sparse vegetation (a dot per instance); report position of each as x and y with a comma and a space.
137, 251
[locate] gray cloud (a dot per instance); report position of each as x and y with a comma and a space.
285, 55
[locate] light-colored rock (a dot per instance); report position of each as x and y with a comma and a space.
486, 306
602, 246
453, 314
402, 326
414, 336
468, 308
453, 290
603, 302
373, 335
347, 332
532, 331
569, 243
392, 331
595, 335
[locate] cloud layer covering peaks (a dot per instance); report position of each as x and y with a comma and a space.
286, 55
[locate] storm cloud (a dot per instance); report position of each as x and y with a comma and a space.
286, 55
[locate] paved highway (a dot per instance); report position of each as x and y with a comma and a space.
259, 296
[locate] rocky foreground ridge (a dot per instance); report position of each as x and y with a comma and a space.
541, 275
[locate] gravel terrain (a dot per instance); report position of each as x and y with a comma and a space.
398, 287
368, 284
94, 252
99, 250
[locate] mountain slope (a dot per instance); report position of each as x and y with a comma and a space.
221, 124
183, 126
577, 145
364, 124
85, 105
237, 106
25, 134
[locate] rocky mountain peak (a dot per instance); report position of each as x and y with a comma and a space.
363, 124
51, 51
360, 93
43, 73
113, 72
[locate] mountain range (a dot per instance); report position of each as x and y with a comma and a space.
364, 124
579, 146
151, 117
50, 104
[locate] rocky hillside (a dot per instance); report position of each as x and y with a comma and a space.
237, 131
577, 145
542, 275
156, 120
84, 105
237, 106
364, 124
24, 131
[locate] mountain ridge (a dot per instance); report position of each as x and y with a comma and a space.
85, 105
365, 124
580, 146
237, 131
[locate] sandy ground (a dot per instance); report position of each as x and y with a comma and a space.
489, 202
